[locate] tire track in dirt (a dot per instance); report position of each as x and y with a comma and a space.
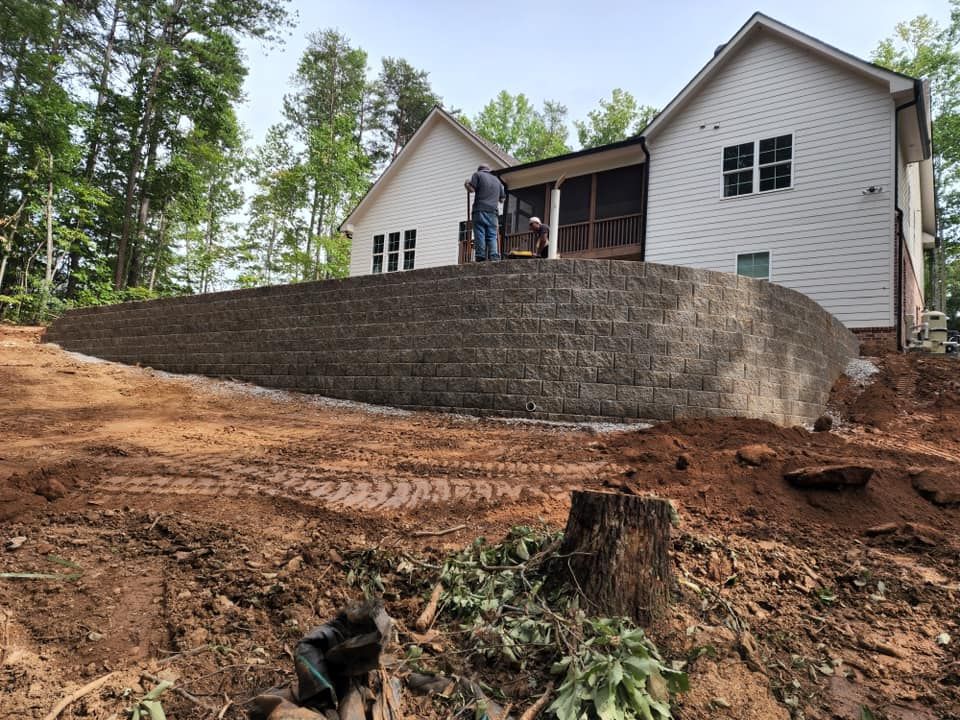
908, 444
373, 484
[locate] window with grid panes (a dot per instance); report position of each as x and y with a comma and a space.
393, 252
755, 265
759, 166
377, 254
775, 163
738, 170
409, 248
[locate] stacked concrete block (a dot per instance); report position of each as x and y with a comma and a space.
558, 340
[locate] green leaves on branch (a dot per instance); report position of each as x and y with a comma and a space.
512, 123
617, 119
616, 674
509, 601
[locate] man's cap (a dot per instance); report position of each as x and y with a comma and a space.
483, 168
534, 219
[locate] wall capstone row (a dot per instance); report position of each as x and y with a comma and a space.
576, 339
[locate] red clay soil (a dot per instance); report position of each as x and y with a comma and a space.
211, 524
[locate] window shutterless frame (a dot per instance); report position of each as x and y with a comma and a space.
770, 156
394, 251
376, 266
408, 249
740, 254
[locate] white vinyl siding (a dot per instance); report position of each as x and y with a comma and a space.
424, 192
831, 242
908, 190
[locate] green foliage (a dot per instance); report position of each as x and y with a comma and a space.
515, 613
116, 117
325, 114
512, 123
616, 674
617, 119
923, 48
401, 100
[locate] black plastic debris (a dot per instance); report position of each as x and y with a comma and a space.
330, 660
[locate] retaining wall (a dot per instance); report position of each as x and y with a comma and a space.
579, 339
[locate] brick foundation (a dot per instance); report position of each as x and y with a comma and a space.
876, 340
576, 339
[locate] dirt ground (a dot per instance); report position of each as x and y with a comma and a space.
197, 529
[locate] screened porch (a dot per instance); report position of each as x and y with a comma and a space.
601, 215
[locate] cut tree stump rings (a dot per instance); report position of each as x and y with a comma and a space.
617, 547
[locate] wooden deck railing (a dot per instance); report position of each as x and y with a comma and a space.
465, 254
575, 239
584, 237
618, 231
519, 241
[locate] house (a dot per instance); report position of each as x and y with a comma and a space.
413, 214
784, 159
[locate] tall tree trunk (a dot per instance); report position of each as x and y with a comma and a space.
136, 147
48, 276
94, 139
161, 246
96, 127
397, 145
143, 215
11, 223
272, 239
314, 209
208, 238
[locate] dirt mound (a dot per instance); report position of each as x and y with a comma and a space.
32, 490
717, 480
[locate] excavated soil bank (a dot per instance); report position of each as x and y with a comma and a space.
212, 524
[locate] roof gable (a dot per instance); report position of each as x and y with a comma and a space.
758, 23
498, 158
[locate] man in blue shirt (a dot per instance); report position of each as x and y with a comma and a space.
488, 192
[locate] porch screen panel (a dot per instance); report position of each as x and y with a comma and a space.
619, 192
523, 204
575, 200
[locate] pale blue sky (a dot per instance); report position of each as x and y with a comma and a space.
571, 52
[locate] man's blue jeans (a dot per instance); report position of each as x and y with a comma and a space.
485, 235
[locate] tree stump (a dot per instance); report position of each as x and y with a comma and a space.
617, 547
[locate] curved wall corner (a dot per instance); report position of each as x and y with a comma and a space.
577, 339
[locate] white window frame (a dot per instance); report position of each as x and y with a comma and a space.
385, 267
403, 250
382, 254
758, 251
756, 165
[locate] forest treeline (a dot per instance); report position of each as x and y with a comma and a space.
125, 173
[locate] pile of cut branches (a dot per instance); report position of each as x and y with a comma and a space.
513, 610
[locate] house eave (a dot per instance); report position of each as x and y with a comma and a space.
583, 162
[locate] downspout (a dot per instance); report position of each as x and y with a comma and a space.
898, 213
645, 198
554, 242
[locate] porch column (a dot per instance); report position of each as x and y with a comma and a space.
554, 246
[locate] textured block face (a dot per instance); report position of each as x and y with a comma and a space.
572, 339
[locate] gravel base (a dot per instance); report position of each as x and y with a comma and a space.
860, 371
